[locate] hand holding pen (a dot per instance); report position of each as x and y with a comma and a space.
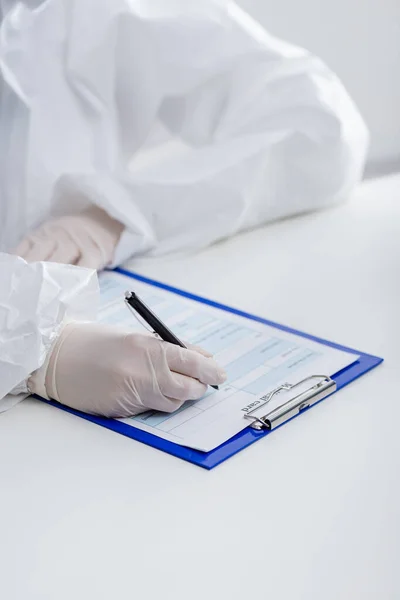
134, 303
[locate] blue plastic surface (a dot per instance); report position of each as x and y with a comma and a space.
209, 460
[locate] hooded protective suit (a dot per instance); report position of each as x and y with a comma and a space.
183, 120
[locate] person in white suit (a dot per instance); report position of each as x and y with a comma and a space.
148, 127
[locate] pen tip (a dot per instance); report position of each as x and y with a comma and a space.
128, 295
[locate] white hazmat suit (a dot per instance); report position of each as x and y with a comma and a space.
252, 129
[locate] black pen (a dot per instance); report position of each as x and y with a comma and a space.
134, 302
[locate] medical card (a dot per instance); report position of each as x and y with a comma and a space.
257, 359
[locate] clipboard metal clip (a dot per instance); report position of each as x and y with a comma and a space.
306, 398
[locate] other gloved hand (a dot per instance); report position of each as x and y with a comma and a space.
87, 239
103, 370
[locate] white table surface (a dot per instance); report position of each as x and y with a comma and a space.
310, 512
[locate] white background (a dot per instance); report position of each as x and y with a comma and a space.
311, 512
360, 41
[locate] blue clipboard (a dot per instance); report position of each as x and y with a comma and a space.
209, 460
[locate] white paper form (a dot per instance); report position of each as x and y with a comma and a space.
256, 357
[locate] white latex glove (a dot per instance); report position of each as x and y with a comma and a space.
102, 370
87, 239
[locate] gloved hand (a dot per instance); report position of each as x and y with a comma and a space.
87, 239
102, 370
